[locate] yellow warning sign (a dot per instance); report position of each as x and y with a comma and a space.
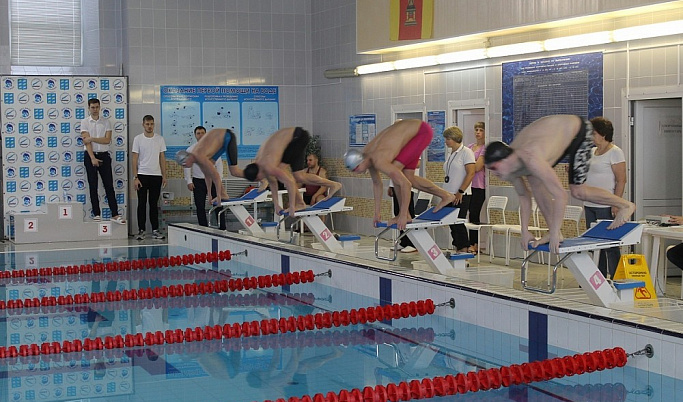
634, 266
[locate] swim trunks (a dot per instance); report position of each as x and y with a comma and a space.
295, 153
229, 148
579, 153
411, 152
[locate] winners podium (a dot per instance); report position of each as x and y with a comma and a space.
62, 222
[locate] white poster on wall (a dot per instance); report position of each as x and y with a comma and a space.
42, 150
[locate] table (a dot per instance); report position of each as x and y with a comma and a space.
652, 241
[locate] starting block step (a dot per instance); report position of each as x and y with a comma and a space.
623, 284
459, 260
348, 241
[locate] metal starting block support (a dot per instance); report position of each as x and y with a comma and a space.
311, 218
582, 266
236, 206
423, 242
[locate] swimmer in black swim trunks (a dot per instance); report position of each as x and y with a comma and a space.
210, 147
286, 147
532, 154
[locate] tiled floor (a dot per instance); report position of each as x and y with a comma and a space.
667, 312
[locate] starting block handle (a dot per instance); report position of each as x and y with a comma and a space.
220, 209
553, 285
395, 254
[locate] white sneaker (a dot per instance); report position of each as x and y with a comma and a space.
408, 249
157, 235
97, 218
140, 235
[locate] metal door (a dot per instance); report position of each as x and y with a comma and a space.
656, 165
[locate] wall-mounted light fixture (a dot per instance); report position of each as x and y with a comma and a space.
341, 72
567, 42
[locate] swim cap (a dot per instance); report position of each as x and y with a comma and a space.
352, 158
181, 157
496, 151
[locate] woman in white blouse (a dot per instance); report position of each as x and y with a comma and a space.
607, 170
458, 173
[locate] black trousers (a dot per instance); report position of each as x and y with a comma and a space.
675, 255
476, 203
459, 232
200, 192
104, 170
149, 191
405, 241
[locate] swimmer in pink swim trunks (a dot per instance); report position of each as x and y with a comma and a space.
396, 152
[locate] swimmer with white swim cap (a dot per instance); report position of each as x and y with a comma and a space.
396, 152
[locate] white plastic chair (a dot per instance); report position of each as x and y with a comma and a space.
495, 208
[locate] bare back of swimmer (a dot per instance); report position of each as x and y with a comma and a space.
287, 148
532, 154
396, 152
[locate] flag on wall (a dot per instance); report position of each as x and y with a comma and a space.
411, 19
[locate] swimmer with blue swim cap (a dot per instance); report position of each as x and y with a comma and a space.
396, 152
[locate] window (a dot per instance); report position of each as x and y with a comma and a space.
46, 33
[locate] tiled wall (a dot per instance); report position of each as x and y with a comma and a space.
291, 43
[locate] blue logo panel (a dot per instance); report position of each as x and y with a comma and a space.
10, 142
120, 156
23, 128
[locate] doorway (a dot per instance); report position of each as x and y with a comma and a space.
656, 178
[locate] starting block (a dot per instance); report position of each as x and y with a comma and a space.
423, 242
236, 206
311, 217
582, 266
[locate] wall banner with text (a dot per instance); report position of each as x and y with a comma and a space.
251, 112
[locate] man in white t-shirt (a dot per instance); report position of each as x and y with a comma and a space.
96, 134
149, 175
196, 182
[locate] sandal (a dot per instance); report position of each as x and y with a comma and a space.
119, 219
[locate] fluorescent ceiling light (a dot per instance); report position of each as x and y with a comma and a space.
375, 68
465, 55
568, 42
648, 31
515, 49
415, 62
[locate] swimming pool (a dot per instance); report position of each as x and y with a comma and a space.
481, 332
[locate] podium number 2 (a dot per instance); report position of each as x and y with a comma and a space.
30, 225
105, 229
65, 212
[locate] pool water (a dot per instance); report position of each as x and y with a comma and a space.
254, 368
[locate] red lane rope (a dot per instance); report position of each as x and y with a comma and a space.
301, 323
174, 274
287, 340
114, 266
474, 381
221, 300
158, 292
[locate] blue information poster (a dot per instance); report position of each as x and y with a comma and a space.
251, 112
536, 88
362, 129
436, 152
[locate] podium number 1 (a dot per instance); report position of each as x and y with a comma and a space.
65, 212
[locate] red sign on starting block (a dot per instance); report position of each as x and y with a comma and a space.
325, 234
434, 252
